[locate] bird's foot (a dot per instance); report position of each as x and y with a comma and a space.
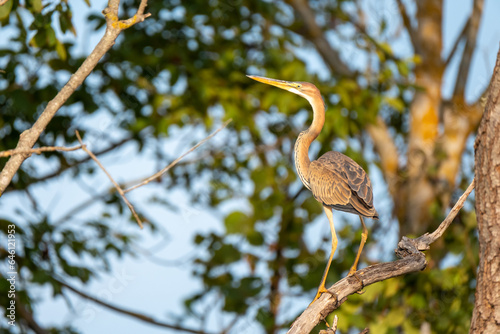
322, 290
353, 273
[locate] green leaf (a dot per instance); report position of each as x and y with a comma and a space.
236, 222
5, 9
36, 5
61, 50
51, 37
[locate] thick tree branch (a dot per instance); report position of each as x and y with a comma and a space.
317, 37
132, 314
470, 46
411, 260
29, 137
117, 186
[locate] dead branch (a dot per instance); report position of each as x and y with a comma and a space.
117, 186
29, 137
38, 150
411, 260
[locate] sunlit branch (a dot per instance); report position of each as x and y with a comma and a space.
29, 137
38, 150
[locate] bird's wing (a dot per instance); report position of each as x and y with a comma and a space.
338, 181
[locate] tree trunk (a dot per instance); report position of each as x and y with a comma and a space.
486, 315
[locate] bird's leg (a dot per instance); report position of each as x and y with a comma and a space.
322, 287
364, 236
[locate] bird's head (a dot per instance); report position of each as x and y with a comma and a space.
305, 89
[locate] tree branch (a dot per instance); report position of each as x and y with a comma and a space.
164, 170
117, 186
470, 46
411, 260
38, 150
457, 41
317, 37
65, 167
29, 137
132, 314
407, 23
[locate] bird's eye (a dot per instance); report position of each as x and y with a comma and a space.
299, 85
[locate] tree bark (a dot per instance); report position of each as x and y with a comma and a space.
486, 315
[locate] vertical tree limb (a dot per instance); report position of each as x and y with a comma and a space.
29, 137
486, 315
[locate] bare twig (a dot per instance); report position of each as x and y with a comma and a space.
38, 150
425, 240
132, 314
29, 137
117, 186
411, 260
164, 170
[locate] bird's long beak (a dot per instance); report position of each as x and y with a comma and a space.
286, 85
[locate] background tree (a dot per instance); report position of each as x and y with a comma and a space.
182, 72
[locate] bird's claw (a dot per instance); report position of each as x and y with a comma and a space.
360, 291
322, 290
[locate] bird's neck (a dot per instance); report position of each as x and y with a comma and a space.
305, 139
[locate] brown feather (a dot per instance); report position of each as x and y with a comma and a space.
339, 182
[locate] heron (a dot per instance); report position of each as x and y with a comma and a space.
335, 180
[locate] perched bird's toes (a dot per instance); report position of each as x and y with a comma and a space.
360, 291
322, 290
